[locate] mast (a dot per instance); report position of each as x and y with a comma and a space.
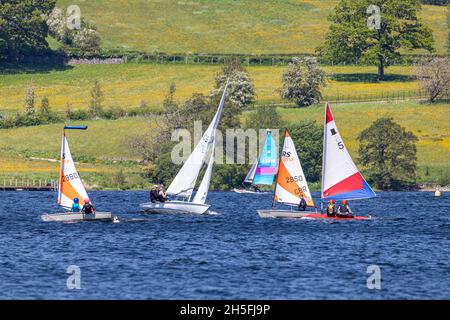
61, 169
323, 155
278, 170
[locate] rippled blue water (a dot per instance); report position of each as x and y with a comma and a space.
231, 254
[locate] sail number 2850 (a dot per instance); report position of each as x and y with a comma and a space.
293, 179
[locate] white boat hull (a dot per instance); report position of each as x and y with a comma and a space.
77, 217
175, 207
282, 213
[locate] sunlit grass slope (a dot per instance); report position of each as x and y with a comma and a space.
225, 26
128, 84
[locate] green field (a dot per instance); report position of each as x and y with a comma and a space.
128, 84
104, 144
225, 26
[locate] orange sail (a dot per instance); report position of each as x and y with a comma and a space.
291, 182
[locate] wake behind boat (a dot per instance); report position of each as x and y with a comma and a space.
183, 184
71, 187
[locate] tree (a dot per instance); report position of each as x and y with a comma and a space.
96, 99
57, 25
434, 77
374, 31
302, 82
44, 110
23, 29
309, 137
29, 100
240, 92
87, 39
388, 152
263, 117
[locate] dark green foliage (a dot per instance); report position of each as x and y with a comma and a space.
163, 170
227, 176
350, 40
23, 28
436, 2
308, 139
388, 152
263, 117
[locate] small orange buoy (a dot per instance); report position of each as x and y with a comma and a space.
437, 193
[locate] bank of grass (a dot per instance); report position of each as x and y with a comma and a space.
226, 26
128, 84
102, 150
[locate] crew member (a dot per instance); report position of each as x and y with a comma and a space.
331, 208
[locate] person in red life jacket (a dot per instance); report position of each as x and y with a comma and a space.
88, 208
344, 210
331, 208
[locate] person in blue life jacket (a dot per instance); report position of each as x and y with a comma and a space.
76, 205
344, 210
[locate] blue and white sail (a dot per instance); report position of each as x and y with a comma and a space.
266, 168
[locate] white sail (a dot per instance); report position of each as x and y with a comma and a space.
341, 178
184, 182
202, 192
70, 184
251, 173
291, 181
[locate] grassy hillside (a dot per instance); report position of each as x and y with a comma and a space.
225, 26
104, 144
127, 85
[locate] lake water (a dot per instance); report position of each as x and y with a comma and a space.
229, 254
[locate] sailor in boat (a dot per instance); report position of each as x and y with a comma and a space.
344, 210
76, 205
157, 193
154, 193
331, 208
162, 195
256, 188
302, 205
88, 208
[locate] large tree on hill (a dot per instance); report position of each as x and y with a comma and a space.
374, 31
23, 28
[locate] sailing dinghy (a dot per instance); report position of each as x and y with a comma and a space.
264, 167
183, 184
70, 187
290, 184
341, 179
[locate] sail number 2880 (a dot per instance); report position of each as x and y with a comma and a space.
69, 177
